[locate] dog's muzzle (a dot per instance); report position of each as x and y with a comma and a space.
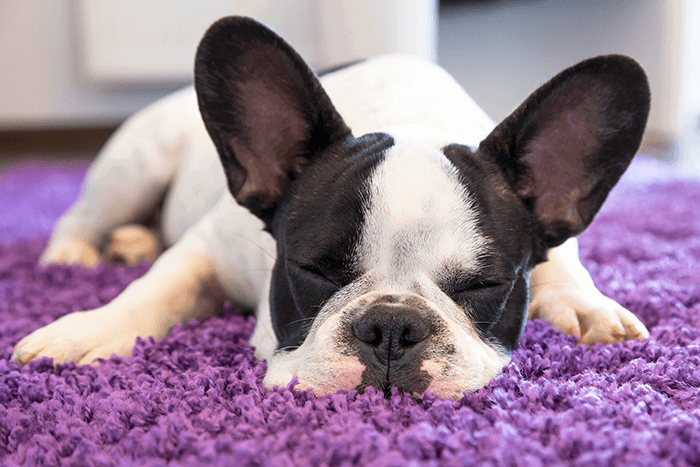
393, 337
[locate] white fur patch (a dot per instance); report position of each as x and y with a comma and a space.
419, 219
319, 364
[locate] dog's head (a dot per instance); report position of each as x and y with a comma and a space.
401, 264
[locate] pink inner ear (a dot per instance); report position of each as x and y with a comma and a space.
560, 153
275, 132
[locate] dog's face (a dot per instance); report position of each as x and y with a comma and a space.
398, 273
404, 261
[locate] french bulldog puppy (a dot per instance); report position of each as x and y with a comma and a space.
385, 232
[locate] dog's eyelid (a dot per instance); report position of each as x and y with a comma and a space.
467, 282
313, 270
479, 284
305, 267
485, 284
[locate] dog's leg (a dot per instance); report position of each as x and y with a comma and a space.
226, 254
124, 184
181, 285
126, 181
563, 293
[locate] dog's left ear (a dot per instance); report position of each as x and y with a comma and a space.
567, 145
264, 109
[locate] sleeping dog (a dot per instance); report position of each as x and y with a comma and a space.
384, 231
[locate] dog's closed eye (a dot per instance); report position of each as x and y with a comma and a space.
464, 287
478, 284
314, 274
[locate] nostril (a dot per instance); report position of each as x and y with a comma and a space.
389, 326
413, 333
368, 331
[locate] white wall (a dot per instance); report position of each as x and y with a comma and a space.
507, 48
688, 111
40, 83
89, 63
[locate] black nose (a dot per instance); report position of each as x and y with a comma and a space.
391, 330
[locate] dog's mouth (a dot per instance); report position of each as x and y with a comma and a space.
447, 374
438, 364
387, 389
402, 371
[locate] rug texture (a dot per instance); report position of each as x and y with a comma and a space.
196, 398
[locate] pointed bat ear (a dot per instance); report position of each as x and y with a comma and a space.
264, 109
567, 145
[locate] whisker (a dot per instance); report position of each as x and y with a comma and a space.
260, 247
547, 283
300, 320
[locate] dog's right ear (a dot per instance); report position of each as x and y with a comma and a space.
264, 109
566, 146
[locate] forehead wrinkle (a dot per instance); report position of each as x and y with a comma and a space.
418, 217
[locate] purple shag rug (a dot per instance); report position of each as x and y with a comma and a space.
196, 398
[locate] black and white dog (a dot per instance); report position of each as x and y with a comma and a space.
405, 253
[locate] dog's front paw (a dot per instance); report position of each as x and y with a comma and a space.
585, 312
79, 337
71, 252
131, 244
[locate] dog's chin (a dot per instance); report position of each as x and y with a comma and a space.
448, 364
347, 373
329, 372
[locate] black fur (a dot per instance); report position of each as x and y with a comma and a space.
317, 230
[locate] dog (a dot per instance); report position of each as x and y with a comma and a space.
385, 232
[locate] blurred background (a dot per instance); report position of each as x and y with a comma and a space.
72, 70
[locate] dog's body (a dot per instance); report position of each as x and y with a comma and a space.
399, 258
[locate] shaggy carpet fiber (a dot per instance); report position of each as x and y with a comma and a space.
196, 398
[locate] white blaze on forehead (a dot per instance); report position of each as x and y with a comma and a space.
418, 218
